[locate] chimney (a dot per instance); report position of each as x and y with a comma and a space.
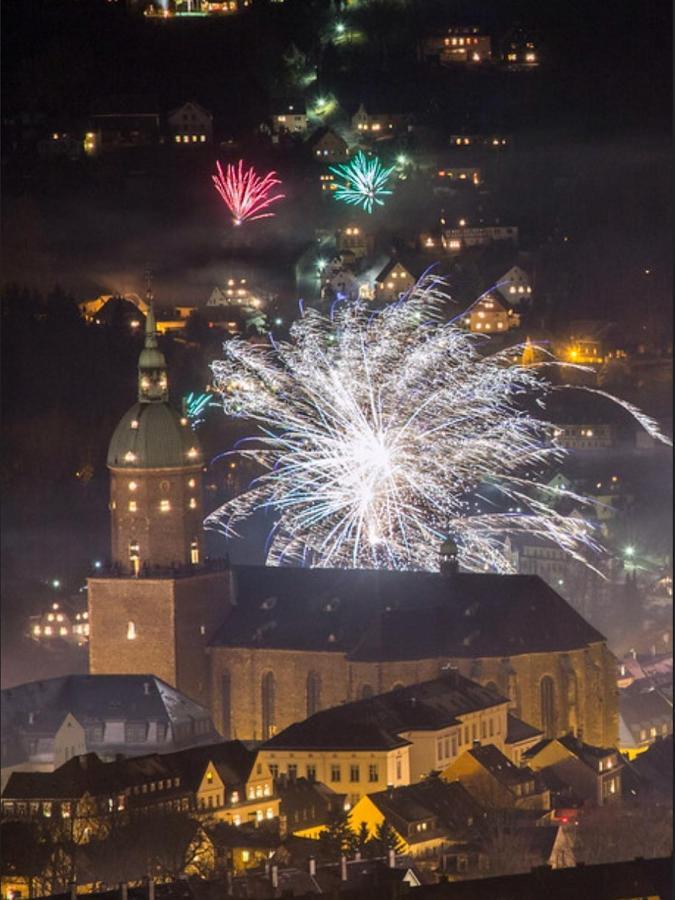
275, 877
312, 866
124, 890
343, 868
392, 859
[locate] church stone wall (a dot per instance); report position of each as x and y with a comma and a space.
585, 694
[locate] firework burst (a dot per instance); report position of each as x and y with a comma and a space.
384, 432
245, 193
365, 181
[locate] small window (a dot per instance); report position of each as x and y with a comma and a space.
354, 773
165, 505
131, 631
335, 773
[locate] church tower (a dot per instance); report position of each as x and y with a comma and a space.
156, 607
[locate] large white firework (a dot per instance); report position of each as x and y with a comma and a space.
383, 432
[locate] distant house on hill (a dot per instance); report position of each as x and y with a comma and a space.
327, 146
121, 123
190, 124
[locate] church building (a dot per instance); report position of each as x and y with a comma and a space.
263, 647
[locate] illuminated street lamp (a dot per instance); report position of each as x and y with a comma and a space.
629, 552
56, 584
340, 28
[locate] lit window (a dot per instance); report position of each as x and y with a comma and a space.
132, 485
191, 483
202, 138
130, 456
46, 809
134, 424
237, 820
50, 617
131, 631
133, 506
164, 505
245, 855
177, 138
63, 631
37, 630
235, 797
270, 812
192, 453
48, 630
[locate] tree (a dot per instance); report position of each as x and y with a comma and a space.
338, 838
384, 840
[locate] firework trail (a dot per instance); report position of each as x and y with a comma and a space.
384, 432
365, 179
245, 193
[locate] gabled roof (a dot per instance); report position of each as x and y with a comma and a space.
383, 615
196, 106
517, 730
390, 266
500, 767
90, 774
323, 132
449, 803
377, 722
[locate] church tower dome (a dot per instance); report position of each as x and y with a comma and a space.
155, 463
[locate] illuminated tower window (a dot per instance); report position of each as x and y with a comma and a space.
133, 506
132, 485
192, 453
193, 503
130, 457
194, 553
191, 483
131, 631
164, 505
134, 556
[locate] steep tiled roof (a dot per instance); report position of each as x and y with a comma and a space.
499, 766
517, 730
375, 615
377, 722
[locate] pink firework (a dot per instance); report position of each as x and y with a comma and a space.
245, 193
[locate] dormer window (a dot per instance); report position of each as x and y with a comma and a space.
134, 424
234, 798
130, 456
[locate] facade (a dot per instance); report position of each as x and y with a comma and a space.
515, 286
190, 125
519, 50
593, 773
46, 723
353, 239
429, 817
327, 146
158, 604
495, 782
377, 124
290, 118
395, 738
224, 782
459, 45
392, 281
491, 314
492, 141
586, 436
449, 176
455, 240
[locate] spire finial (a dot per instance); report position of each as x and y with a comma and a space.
150, 328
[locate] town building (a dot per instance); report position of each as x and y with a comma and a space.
593, 773
455, 240
60, 622
338, 279
495, 141
378, 124
645, 715
491, 314
429, 817
515, 286
458, 44
45, 723
449, 176
122, 123
393, 281
497, 783
397, 738
306, 806
519, 50
224, 782
326, 145
354, 239
289, 117
190, 124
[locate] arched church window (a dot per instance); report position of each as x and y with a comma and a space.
194, 552
547, 701
268, 691
313, 693
134, 556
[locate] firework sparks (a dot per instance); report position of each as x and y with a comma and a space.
195, 406
365, 181
245, 193
382, 433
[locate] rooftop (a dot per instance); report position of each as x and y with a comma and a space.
379, 721
376, 615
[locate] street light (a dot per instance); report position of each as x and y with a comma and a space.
56, 584
629, 551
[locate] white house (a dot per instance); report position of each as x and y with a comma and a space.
190, 124
515, 285
289, 117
